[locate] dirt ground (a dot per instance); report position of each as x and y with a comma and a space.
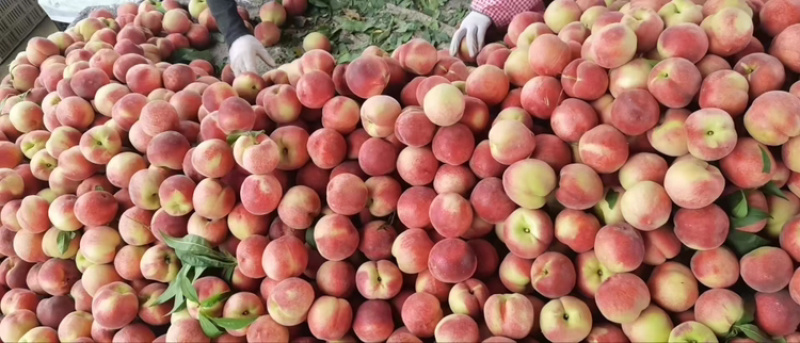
351, 25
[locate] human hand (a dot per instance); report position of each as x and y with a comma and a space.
244, 53
473, 29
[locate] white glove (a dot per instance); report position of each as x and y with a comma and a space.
244, 53
473, 28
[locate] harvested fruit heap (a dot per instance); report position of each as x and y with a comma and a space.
640, 183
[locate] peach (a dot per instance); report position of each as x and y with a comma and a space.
515, 273
527, 233
719, 309
565, 319
367, 76
692, 183
701, 229
646, 205
551, 57
335, 236
584, 80
213, 199
579, 187
187, 329
572, 118
517, 67
553, 275
452, 260
540, 96
667, 74
763, 72
56, 276
456, 327
686, 40
373, 321
15, 325
411, 249
468, 297
620, 45
729, 31
643, 166
446, 105
314, 89
75, 325
520, 21
634, 112
330, 318
289, 301
622, 298
783, 47
710, 134
749, 165
523, 192
673, 287
726, 90
284, 257
341, 114
159, 263
510, 141
607, 243
26, 116
123, 304
766, 269
378, 280
560, 13
766, 111
264, 328
516, 326
454, 179
28, 215
767, 305
603, 148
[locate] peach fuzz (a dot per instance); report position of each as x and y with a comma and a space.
417, 56
607, 245
701, 229
646, 205
158, 116
606, 332
644, 166
15, 325
341, 114
565, 319
213, 199
498, 324
453, 144
553, 275
692, 183
763, 72
603, 148
336, 237
454, 179
378, 280
334, 278
634, 112
520, 21
551, 55
561, 13
711, 134
579, 187
515, 274
527, 233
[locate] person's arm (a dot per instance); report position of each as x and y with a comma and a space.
244, 49
228, 19
484, 14
502, 11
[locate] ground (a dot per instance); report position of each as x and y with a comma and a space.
351, 25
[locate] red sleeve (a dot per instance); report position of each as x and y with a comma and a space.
501, 11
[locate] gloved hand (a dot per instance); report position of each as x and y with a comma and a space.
473, 28
244, 53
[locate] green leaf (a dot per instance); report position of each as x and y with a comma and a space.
196, 251
772, 189
198, 272
753, 332
749, 312
611, 198
188, 55
217, 298
745, 242
186, 288
234, 323
171, 292
765, 160
64, 239
740, 206
209, 328
753, 216
310, 238
160, 7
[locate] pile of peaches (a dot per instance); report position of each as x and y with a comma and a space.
613, 171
